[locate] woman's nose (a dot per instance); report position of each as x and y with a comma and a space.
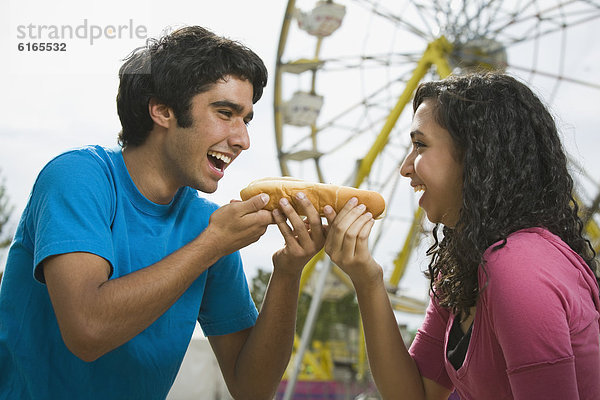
407, 167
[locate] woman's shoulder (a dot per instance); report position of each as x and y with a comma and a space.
532, 255
530, 243
528, 254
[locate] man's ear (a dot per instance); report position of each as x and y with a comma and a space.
161, 114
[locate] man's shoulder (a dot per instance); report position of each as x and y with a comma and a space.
79, 154
74, 170
81, 162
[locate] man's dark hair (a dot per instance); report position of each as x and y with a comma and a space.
515, 176
173, 70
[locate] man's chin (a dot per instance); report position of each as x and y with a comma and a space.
207, 188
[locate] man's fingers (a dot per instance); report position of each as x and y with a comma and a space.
298, 226
255, 203
252, 210
313, 219
281, 222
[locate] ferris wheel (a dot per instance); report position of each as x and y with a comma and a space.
347, 69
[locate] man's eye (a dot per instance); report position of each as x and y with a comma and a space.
226, 113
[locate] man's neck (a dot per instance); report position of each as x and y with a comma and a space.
148, 174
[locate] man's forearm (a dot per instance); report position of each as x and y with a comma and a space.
267, 351
99, 315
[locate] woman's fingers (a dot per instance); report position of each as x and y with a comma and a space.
362, 242
348, 232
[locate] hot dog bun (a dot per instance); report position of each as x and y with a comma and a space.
320, 194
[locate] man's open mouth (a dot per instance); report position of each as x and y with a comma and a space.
219, 160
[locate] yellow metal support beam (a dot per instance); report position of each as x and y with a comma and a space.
435, 53
309, 268
412, 240
277, 101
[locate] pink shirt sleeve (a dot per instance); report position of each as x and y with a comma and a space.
427, 349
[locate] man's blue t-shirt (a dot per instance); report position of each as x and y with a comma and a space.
85, 201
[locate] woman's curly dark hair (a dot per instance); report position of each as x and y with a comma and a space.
175, 68
515, 176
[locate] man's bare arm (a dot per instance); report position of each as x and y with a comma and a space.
96, 314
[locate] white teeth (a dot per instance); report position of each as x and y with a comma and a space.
419, 188
220, 156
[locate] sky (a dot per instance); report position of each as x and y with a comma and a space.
60, 100
57, 100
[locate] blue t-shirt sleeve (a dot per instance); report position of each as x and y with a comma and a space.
71, 209
227, 306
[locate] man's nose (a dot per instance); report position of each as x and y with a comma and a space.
240, 137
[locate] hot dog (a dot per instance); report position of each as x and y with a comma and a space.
320, 194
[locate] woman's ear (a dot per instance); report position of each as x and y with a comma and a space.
161, 114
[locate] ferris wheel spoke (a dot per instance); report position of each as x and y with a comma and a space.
392, 17
367, 61
561, 20
368, 100
430, 22
493, 9
556, 76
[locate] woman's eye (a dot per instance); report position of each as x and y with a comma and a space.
418, 145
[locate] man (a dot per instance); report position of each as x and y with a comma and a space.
117, 256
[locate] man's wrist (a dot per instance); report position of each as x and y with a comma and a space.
206, 245
290, 275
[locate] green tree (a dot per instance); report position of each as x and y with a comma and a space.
332, 312
259, 287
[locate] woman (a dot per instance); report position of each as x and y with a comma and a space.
514, 310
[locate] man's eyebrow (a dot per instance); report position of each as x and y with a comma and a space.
229, 104
238, 108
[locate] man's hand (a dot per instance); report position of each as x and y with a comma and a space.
303, 239
238, 224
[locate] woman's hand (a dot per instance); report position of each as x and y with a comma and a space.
347, 242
